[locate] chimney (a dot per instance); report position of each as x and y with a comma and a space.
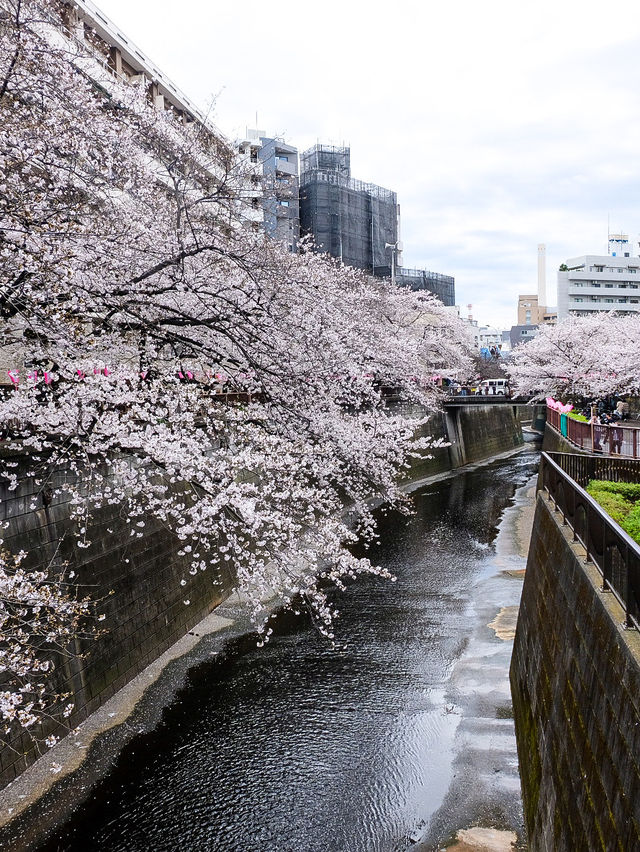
542, 276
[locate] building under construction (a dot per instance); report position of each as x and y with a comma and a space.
358, 222
442, 286
351, 220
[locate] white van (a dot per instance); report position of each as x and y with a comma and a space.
493, 387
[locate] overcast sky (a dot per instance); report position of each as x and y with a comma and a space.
499, 125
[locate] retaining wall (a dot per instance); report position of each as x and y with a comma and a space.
575, 679
145, 614
473, 432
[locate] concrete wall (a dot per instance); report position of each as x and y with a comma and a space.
481, 431
145, 614
473, 432
575, 678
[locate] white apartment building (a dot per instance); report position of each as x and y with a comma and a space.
599, 283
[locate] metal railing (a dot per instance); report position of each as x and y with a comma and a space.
617, 439
614, 553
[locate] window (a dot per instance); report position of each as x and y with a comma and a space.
578, 299
282, 157
633, 271
282, 202
633, 286
608, 286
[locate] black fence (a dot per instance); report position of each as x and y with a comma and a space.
614, 553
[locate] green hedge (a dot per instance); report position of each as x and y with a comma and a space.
621, 501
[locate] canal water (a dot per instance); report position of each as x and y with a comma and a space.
392, 740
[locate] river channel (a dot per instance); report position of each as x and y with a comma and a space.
394, 739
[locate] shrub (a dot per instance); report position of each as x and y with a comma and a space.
621, 501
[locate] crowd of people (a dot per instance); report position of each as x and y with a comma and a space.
609, 413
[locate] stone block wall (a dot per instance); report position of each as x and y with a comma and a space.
575, 678
137, 580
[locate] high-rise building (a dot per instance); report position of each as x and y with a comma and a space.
358, 222
274, 198
354, 221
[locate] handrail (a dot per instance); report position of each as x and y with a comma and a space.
621, 440
614, 553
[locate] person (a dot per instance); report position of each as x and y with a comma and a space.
616, 434
622, 409
597, 432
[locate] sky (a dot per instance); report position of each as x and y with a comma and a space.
499, 125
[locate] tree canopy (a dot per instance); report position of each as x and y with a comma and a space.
150, 331
581, 357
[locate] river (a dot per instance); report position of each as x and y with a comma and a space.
394, 739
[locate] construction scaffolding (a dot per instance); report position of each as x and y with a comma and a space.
442, 286
352, 220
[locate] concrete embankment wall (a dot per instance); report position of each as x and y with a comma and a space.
146, 613
473, 432
575, 678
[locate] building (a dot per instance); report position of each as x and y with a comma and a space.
442, 286
521, 334
88, 27
531, 313
357, 222
274, 187
354, 221
592, 283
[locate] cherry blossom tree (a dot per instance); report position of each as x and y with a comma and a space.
41, 618
236, 391
581, 357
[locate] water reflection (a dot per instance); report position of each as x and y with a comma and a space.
301, 746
